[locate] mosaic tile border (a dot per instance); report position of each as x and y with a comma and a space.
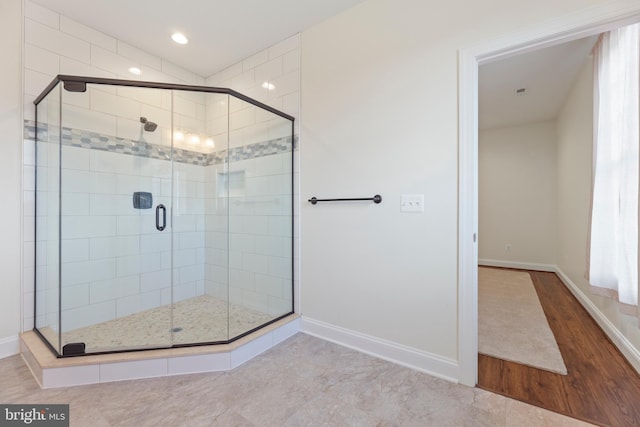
95, 141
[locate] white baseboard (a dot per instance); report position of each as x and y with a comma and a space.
517, 265
432, 364
9, 346
619, 340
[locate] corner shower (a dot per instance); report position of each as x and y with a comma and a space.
164, 215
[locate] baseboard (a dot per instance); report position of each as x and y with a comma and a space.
9, 346
432, 364
517, 265
619, 340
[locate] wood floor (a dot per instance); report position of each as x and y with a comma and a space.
601, 387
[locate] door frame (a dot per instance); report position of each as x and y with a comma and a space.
586, 22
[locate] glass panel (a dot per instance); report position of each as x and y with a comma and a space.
47, 319
115, 188
260, 215
200, 217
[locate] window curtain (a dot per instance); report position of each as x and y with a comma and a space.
613, 251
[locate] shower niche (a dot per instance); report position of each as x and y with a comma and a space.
164, 215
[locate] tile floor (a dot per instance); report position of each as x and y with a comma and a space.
199, 319
304, 381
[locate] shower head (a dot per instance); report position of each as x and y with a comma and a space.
148, 126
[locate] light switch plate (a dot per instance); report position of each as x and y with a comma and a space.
412, 203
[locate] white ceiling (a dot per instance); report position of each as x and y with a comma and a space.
547, 74
221, 32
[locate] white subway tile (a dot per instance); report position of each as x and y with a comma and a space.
56, 41
269, 71
75, 250
83, 227
88, 315
189, 240
285, 84
270, 285
201, 363
155, 280
241, 279
243, 81
255, 300
70, 376
109, 61
88, 34
139, 56
242, 118
111, 247
93, 121
153, 243
268, 165
185, 76
229, 73
255, 263
140, 302
74, 204
115, 105
75, 158
122, 371
35, 82
291, 61
279, 267
74, 67
74, 273
184, 292
255, 60
191, 273
41, 14
28, 281
111, 289
278, 306
75, 296
129, 225
291, 104
41, 60
284, 46
251, 350
269, 245
29, 178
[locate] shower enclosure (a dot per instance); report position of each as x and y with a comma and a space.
164, 215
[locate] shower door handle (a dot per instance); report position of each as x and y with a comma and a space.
159, 208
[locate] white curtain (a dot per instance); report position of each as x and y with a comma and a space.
613, 258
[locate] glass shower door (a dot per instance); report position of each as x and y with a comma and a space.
115, 230
200, 218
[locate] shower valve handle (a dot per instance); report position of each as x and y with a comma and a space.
164, 217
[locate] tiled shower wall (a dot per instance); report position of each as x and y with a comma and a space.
55, 44
259, 268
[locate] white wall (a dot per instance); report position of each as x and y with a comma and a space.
517, 194
575, 142
379, 115
10, 174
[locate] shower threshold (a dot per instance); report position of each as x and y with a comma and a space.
51, 371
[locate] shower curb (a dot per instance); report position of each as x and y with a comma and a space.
51, 372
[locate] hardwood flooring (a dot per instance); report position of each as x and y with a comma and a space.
601, 387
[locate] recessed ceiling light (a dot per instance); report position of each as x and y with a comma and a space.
178, 136
268, 86
210, 142
179, 38
135, 70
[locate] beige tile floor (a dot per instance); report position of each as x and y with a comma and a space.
304, 381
